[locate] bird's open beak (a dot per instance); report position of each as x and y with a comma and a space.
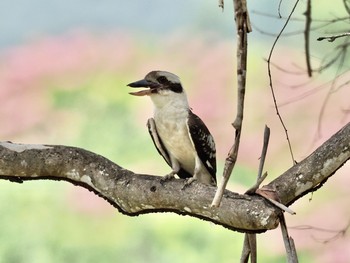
142, 84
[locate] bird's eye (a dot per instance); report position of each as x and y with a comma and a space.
162, 80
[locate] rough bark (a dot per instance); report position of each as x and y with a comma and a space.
313, 171
135, 194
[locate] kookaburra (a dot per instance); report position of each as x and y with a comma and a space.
179, 135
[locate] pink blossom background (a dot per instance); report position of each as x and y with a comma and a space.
32, 72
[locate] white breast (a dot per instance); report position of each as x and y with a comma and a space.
171, 124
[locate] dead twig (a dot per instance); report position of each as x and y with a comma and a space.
243, 28
260, 177
271, 84
249, 246
334, 37
249, 249
308, 19
289, 245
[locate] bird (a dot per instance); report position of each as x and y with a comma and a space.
179, 135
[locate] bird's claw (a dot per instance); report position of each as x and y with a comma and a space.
188, 182
167, 177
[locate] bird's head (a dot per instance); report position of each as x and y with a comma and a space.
164, 88
161, 83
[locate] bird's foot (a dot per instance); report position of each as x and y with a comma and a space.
188, 182
167, 177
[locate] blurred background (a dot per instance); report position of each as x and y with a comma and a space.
63, 74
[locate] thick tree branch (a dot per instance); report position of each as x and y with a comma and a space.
131, 193
312, 172
135, 194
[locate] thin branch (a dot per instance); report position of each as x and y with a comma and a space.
260, 178
308, 19
337, 233
264, 151
243, 28
290, 33
334, 37
346, 6
276, 66
328, 96
304, 94
245, 251
279, 205
327, 64
252, 190
279, 9
270, 80
288, 242
253, 247
249, 247
327, 21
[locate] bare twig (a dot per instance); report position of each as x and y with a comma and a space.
264, 151
249, 249
337, 233
250, 246
253, 248
292, 256
334, 37
280, 206
329, 94
308, 19
260, 178
279, 9
346, 6
296, 32
245, 251
265, 191
243, 28
252, 190
270, 80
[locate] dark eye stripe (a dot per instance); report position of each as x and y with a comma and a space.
176, 87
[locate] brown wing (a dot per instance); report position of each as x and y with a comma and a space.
203, 142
